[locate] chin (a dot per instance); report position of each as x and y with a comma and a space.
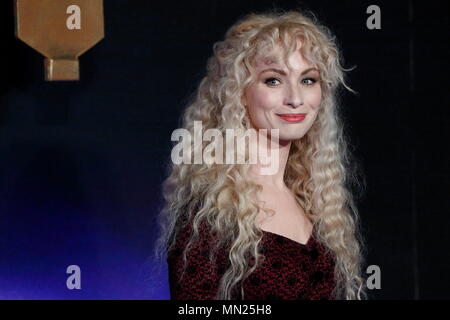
290, 138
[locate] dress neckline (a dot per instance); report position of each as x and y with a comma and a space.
310, 239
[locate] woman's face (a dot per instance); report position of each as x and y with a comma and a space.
283, 98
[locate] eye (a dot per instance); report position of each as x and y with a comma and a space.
271, 81
309, 81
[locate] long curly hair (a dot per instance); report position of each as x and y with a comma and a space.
319, 170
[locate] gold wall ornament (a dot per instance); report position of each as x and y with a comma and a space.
61, 30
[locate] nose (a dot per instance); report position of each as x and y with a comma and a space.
293, 97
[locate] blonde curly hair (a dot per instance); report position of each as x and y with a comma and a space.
317, 171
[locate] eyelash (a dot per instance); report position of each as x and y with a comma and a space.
266, 81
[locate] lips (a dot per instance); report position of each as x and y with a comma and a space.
292, 117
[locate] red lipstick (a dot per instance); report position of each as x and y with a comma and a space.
292, 117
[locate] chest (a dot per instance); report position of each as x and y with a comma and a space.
282, 214
291, 271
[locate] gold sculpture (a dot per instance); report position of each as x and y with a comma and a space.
61, 30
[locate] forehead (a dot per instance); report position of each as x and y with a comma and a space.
276, 57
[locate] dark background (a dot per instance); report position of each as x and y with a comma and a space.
81, 163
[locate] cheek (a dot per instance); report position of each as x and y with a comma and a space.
315, 98
258, 102
260, 99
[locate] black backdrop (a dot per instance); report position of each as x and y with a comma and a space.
81, 163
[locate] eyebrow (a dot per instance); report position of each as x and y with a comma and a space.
282, 72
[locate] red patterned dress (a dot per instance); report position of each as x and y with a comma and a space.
290, 271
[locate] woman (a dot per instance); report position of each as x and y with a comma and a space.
233, 233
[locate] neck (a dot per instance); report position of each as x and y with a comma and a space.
273, 150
